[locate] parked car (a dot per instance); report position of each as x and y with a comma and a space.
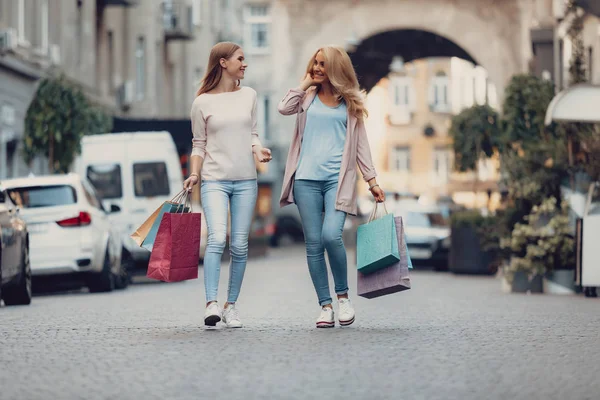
427, 233
288, 227
69, 230
133, 173
15, 270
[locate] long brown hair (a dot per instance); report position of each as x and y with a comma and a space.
343, 78
213, 74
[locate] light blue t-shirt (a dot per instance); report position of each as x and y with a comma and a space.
323, 142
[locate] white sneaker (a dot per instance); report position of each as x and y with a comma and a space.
212, 315
231, 317
346, 311
326, 319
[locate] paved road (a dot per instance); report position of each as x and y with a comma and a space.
447, 338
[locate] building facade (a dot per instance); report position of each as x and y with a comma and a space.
411, 112
138, 59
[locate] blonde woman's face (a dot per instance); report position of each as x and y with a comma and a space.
235, 65
319, 69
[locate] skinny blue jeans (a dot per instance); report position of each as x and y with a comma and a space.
322, 231
217, 198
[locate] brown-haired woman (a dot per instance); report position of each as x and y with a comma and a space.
320, 174
225, 142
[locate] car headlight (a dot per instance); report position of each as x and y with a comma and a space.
446, 242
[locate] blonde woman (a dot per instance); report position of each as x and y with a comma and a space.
224, 148
320, 175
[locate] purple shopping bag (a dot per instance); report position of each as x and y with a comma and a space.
388, 280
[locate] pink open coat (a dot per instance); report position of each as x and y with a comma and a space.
356, 151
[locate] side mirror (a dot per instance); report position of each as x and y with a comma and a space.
114, 208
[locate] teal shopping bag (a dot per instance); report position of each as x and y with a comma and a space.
377, 244
167, 207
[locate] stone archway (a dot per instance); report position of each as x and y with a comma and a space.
493, 33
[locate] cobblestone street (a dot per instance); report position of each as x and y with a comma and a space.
450, 337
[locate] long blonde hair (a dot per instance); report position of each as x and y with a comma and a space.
342, 77
214, 71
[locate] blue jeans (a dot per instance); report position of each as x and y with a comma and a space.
322, 233
217, 196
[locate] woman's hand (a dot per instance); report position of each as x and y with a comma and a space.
378, 193
308, 82
189, 183
263, 154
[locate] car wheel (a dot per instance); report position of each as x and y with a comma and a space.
20, 294
103, 281
122, 279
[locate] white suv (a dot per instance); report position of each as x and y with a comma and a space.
69, 231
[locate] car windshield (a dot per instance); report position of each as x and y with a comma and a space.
43, 196
106, 179
151, 179
424, 219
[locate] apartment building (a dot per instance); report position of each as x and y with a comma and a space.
139, 59
410, 116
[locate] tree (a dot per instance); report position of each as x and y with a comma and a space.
533, 156
526, 99
475, 134
57, 119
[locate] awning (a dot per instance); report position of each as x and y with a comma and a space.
579, 103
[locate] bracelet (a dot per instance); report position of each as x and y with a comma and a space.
371, 187
194, 174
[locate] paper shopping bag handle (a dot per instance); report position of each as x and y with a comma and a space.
375, 214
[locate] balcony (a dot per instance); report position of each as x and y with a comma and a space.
121, 3
177, 17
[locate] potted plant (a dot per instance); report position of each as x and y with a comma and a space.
540, 246
467, 254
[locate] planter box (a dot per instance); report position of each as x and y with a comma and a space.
466, 255
560, 282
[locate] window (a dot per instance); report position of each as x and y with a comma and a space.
424, 219
90, 195
151, 179
79, 32
262, 109
7, 116
140, 69
402, 97
267, 106
43, 196
400, 159
110, 44
439, 92
106, 179
197, 12
21, 20
38, 31
257, 28
442, 165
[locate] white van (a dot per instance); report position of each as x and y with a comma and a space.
133, 173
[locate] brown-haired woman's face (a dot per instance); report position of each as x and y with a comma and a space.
319, 69
235, 65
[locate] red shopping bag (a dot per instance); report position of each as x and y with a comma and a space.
176, 248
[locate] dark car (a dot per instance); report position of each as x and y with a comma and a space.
288, 228
15, 271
